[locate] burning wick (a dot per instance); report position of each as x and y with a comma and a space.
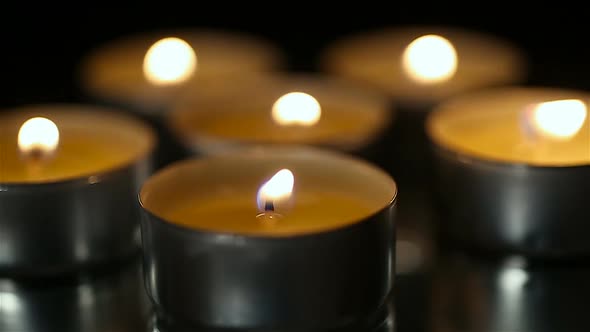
169, 61
557, 120
38, 139
296, 109
430, 59
273, 193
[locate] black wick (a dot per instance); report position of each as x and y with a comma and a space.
269, 206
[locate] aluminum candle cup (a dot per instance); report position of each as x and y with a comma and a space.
69, 178
514, 170
227, 244
280, 109
147, 73
419, 67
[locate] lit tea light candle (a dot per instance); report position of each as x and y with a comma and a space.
514, 166
148, 72
280, 109
71, 172
423, 65
238, 224
419, 67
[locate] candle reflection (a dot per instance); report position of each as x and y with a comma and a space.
510, 294
105, 302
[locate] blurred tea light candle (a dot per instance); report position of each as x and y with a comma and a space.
71, 171
280, 109
518, 160
148, 72
423, 65
239, 224
522, 126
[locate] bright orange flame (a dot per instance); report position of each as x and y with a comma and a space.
430, 59
276, 190
296, 108
169, 61
38, 136
559, 119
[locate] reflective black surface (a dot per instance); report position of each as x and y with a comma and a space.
112, 301
454, 293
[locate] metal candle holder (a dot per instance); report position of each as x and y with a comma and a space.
316, 281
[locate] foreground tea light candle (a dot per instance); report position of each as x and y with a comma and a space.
269, 237
280, 109
514, 167
69, 175
420, 67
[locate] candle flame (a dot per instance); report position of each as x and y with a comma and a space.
38, 136
276, 190
296, 108
430, 59
559, 119
169, 61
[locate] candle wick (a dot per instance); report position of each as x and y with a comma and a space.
269, 216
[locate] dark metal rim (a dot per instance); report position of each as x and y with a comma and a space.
77, 181
464, 158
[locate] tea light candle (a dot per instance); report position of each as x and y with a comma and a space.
148, 72
69, 176
274, 237
515, 170
280, 109
424, 65
419, 67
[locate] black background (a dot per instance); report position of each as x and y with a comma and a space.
42, 46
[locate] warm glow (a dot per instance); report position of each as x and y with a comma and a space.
276, 190
296, 108
38, 136
560, 119
430, 59
169, 61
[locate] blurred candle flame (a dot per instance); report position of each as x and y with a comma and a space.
276, 190
559, 119
296, 108
169, 61
38, 137
430, 59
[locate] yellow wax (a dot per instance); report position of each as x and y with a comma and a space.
376, 59
492, 125
350, 117
92, 141
115, 70
256, 125
219, 193
312, 212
